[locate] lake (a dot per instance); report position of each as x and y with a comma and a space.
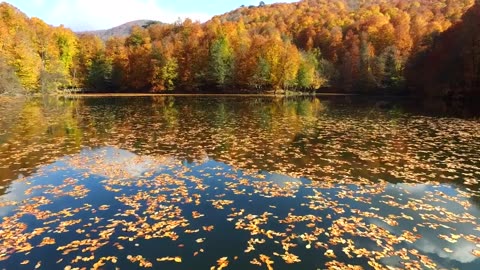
202, 182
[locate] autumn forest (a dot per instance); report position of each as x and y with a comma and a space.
423, 47
318, 134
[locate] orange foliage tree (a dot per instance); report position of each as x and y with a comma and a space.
359, 45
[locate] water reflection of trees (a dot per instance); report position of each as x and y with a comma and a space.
37, 131
338, 137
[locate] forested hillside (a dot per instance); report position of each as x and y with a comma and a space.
34, 55
451, 66
344, 45
123, 30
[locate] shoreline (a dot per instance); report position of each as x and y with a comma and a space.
196, 94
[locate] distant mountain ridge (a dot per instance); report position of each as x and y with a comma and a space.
121, 30
124, 30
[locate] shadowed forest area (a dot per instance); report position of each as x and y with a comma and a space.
452, 63
422, 47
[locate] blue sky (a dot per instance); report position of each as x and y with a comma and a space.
103, 14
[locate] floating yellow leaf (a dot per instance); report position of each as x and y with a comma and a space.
476, 252
329, 253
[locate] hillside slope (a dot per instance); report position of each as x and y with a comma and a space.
33, 54
368, 42
123, 30
451, 66
343, 45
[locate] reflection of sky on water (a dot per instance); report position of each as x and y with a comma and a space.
103, 162
282, 180
430, 243
110, 162
14, 193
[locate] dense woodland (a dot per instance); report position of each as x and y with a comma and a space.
452, 63
369, 46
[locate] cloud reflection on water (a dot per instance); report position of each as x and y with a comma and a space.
114, 163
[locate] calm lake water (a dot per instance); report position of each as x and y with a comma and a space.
238, 183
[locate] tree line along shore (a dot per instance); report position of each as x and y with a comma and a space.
422, 47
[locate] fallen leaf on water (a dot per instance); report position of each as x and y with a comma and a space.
208, 228
267, 261
476, 252
256, 262
329, 253
290, 258
222, 263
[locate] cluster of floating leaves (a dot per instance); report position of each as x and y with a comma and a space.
333, 220
324, 202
